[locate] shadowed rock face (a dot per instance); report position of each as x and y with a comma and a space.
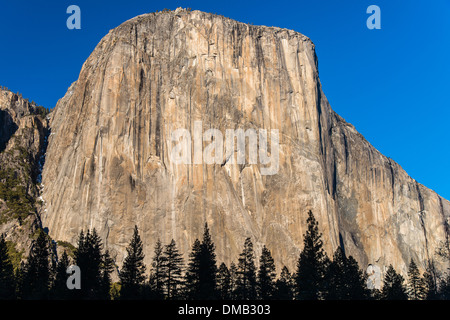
23, 132
109, 167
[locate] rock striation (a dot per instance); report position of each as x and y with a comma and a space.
23, 135
109, 162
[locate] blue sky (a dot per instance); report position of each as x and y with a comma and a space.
391, 84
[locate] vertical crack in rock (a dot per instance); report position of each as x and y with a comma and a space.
422, 215
160, 72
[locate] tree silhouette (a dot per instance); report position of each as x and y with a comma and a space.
192, 277
107, 267
284, 286
416, 287
132, 275
172, 269
59, 288
7, 284
393, 287
430, 283
311, 264
356, 281
89, 258
233, 280
444, 287
246, 274
156, 282
207, 267
36, 276
266, 275
344, 280
224, 282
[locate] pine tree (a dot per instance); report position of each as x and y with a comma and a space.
59, 288
88, 257
334, 277
36, 281
132, 275
393, 287
311, 264
7, 281
344, 279
233, 280
416, 288
107, 267
192, 277
444, 287
266, 275
156, 282
443, 253
284, 286
172, 269
224, 282
246, 275
207, 267
430, 283
356, 281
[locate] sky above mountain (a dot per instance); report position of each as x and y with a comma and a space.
390, 83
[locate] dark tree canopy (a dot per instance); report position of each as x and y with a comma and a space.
7, 279
44, 276
132, 275
266, 275
393, 286
284, 288
246, 273
311, 264
172, 271
224, 283
416, 285
90, 259
36, 273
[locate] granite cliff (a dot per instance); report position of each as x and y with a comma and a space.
23, 139
108, 164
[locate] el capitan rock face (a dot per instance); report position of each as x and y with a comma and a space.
108, 163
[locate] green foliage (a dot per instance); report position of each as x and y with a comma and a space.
14, 193
14, 255
114, 292
7, 281
69, 248
42, 111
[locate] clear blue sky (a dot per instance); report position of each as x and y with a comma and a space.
391, 84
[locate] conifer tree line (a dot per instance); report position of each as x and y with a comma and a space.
317, 277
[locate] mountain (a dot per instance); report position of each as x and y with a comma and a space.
23, 138
110, 161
